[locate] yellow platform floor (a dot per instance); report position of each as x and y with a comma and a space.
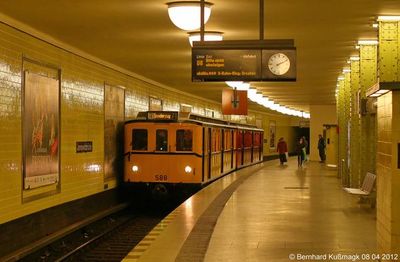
273, 213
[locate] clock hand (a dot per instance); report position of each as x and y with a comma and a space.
282, 62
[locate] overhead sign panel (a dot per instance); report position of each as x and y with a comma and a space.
265, 60
219, 65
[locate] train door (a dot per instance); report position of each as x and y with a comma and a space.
203, 159
260, 146
222, 149
252, 146
209, 153
239, 148
232, 148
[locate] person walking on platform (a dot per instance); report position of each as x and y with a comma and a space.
282, 150
305, 149
321, 148
300, 153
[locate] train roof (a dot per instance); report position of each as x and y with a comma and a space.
181, 117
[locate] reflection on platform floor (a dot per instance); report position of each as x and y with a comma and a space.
280, 211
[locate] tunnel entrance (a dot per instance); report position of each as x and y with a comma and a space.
300, 132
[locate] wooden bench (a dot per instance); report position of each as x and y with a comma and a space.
366, 188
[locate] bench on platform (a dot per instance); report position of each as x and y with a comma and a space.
366, 188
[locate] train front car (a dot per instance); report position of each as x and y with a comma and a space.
162, 153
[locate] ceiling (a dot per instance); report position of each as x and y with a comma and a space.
138, 36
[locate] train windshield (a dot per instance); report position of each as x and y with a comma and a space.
184, 140
162, 140
139, 139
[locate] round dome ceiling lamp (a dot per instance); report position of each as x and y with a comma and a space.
208, 36
186, 14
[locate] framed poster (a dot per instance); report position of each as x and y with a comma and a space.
41, 131
209, 112
155, 104
185, 108
272, 135
114, 116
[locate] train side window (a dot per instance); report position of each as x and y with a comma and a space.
162, 140
184, 140
139, 139
257, 140
248, 137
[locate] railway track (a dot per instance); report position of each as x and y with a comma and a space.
108, 239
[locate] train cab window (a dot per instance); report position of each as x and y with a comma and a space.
139, 139
162, 140
184, 140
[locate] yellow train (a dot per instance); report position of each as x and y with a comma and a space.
164, 150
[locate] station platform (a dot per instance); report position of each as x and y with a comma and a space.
265, 212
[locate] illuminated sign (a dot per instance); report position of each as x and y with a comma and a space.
162, 115
220, 65
258, 60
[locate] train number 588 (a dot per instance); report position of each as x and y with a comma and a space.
161, 177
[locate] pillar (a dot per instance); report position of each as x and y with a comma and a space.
355, 122
388, 140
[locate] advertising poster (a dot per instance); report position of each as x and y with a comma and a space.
272, 134
114, 98
41, 131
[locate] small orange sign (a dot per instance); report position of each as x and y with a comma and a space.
234, 102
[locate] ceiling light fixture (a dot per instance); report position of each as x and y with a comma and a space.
186, 14
389, 18
239, 85
368, 42
208, 36
346, 70
354, 58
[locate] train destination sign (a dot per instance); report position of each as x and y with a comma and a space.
219, 65
247, 60
158, 115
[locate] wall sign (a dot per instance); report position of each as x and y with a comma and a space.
84, 146
234, 102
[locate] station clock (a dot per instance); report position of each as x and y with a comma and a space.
279, 65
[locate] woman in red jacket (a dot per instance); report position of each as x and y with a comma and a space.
282, 150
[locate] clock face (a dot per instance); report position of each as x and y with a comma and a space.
279, 64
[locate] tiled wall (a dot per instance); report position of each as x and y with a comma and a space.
395, 222
388, 183
82, 119
384, 171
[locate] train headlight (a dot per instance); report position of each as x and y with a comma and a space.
135, 168
188, 169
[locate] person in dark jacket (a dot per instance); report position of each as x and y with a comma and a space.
321, 148
282, 150
300, 153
